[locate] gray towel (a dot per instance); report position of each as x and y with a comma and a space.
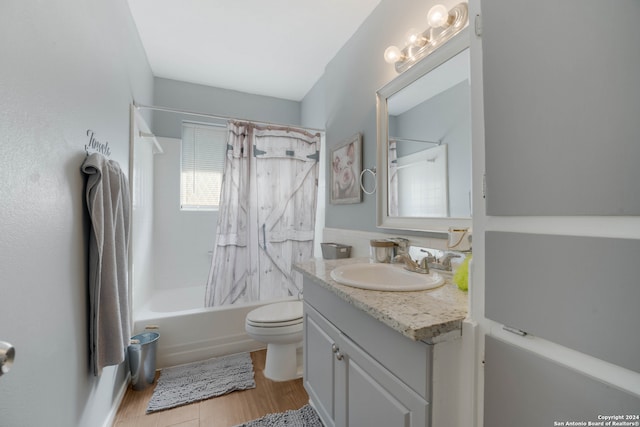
107, 193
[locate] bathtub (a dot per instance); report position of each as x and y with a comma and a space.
189, 332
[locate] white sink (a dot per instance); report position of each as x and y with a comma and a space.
385, 277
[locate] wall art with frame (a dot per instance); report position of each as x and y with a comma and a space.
346, 167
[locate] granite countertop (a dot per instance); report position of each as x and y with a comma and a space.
433, 315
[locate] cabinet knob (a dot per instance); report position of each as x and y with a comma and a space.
336, 350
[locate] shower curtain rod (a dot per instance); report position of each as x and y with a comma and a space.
414, 140
214, 116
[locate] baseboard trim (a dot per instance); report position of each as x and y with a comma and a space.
111, 417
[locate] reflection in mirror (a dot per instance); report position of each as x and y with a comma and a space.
439, 123
424, 144
418, 183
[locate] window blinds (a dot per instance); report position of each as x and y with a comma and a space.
202, 163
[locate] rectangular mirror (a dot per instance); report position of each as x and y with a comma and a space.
424, 143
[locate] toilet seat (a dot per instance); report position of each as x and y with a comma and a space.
276, 315
274, 324
270, 332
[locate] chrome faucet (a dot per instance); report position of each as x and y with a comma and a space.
429, 256
446, 260
421, 267
444, 263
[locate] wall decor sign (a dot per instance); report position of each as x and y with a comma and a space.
346, 167
95, 146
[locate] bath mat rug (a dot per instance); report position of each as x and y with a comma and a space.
303, 417
184, 384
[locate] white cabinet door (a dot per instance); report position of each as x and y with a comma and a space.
376, 397
323, 373
349, 388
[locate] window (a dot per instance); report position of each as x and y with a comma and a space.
203, 153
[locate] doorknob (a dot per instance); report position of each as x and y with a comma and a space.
7, 354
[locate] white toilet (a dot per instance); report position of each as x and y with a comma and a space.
278, 325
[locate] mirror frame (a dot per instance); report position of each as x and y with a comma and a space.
451, 48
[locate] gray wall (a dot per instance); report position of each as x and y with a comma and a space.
222, 102
351, 80
312, 107
66, 67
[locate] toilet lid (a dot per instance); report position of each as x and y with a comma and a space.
279, 312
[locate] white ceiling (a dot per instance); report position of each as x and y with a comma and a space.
276, 48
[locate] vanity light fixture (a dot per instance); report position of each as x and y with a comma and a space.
443, 24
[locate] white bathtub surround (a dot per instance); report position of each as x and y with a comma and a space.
141, 178
190, 332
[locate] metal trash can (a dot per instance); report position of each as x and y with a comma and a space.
142, 359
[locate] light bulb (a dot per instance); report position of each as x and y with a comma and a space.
437, 16
414, 37
392, 54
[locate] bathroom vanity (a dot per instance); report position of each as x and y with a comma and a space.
376, 358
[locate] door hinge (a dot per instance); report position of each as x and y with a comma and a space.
484, 185
478, 25
514, 331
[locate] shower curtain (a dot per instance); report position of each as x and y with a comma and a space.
267, 213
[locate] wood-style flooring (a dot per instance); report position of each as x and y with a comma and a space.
223, 411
